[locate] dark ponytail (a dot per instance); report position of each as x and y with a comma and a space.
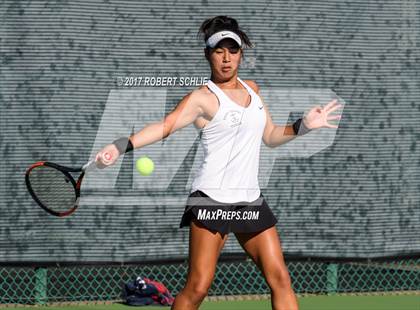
219, 23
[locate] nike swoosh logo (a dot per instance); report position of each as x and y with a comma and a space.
260, 107
224, 34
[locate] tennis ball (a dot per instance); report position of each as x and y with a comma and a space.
145, 165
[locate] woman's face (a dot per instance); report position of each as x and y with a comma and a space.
224, 59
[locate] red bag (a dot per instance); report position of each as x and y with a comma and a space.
144, 291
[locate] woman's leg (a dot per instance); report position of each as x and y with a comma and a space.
204, 250
265, 250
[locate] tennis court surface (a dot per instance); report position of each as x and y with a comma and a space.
337, 302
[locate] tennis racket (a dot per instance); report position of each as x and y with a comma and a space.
53, 187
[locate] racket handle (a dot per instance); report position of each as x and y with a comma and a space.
92, 163
89, 165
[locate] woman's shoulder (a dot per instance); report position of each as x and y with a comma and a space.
253, 85
204, 89
201, 93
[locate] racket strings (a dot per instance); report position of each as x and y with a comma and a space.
53, 188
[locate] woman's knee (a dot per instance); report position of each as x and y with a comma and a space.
197, 290
278, 278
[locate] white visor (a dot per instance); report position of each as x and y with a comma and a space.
219, 36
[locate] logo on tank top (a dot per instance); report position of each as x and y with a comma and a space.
233, 118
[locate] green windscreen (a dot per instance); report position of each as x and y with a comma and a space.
72, 79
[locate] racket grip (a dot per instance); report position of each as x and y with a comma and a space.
89, 165
93, 163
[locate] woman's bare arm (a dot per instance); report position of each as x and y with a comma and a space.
184, 114
273, 135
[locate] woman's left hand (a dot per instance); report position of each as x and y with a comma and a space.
317, 117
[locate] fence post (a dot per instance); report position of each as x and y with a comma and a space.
40, 286
332, 278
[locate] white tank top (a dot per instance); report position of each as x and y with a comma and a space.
231, 143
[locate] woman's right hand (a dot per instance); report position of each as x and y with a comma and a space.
107, 156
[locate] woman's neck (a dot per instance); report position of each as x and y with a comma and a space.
231, 83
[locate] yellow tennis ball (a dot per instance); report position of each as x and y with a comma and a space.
145, 165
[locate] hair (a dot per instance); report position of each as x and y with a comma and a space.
218, 23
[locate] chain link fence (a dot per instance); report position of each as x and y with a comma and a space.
43, 285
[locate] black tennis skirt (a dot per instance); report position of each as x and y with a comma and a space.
240, 217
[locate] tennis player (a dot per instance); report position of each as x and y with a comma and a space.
225, 196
